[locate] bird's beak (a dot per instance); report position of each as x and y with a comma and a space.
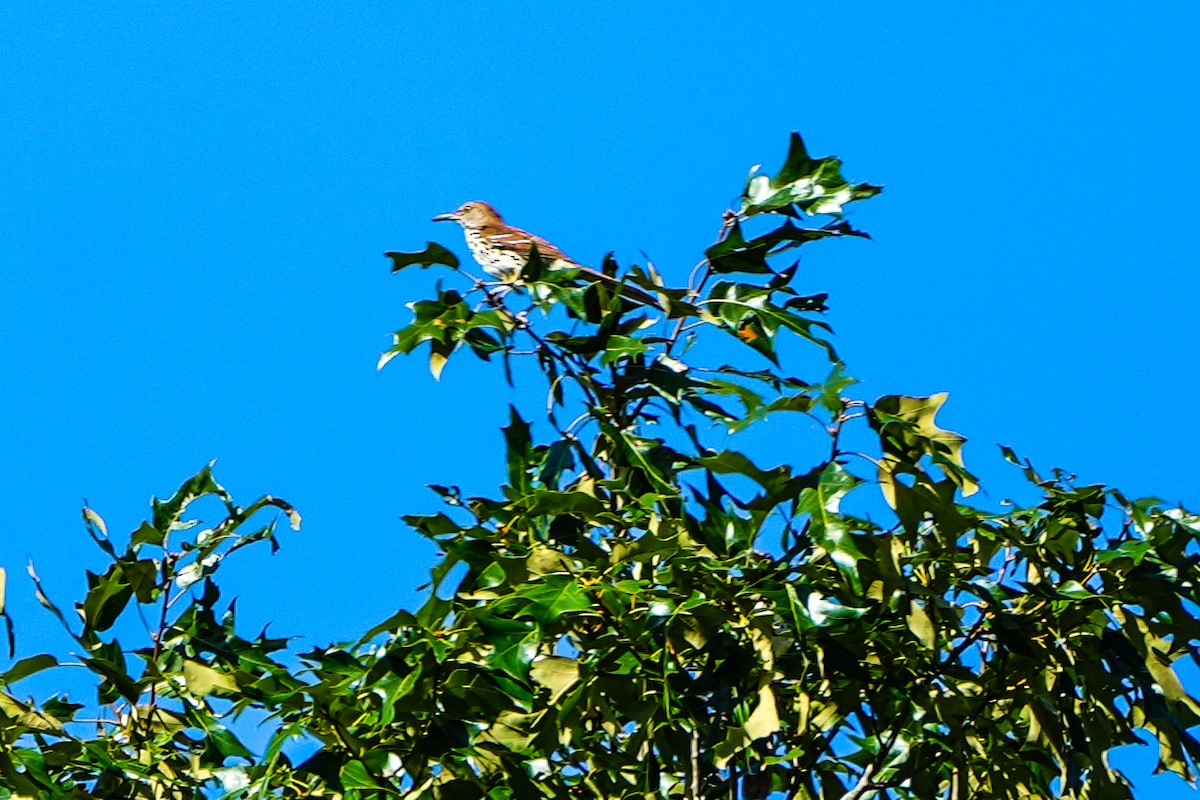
450, 216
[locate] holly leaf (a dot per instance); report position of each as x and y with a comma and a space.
804, 184
827, 525
907, 431
433, 255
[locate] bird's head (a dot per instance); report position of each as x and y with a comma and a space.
472, 214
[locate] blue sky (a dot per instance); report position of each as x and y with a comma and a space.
194, 200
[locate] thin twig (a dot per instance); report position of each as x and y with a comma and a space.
168, 567
728, 219
520, 323
695, 764
866, 781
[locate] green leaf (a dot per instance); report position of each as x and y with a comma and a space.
8, 623
203, 680
227, 744
434, 525
433, 255
827, 527
439, 354
761, 723
559, 458
1165, 677
556, 673
446, 323
514, 643
548, 503
907, 432
821, 612
514, 653
29, 718
354, 775
812, 186
548, 600
748, 313
108, 661
43, 598
513, 731
1075, 590
98, 531
735, 254
535, 266
620, 348
168, 514
107, 598
764, 720
148, 534
482, 343
28, 666
779, 483
520, 450
921, 625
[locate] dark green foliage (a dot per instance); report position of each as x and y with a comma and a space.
644, 610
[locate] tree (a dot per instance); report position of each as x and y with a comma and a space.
643, 610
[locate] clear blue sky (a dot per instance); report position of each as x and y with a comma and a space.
194, 200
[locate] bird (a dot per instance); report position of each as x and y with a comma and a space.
503, 251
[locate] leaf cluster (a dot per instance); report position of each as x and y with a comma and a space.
645, 610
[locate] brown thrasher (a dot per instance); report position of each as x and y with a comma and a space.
503, 250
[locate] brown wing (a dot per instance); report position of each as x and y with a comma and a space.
522, 241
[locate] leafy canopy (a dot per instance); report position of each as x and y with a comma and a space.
643, 609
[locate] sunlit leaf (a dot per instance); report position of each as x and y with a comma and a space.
203, 680
921, 625
814, 186
556, 673
828, 527
907, 431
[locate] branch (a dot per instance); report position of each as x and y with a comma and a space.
496, 301
866, 782
728, 219
863, 786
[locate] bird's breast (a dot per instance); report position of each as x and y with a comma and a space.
500, 262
